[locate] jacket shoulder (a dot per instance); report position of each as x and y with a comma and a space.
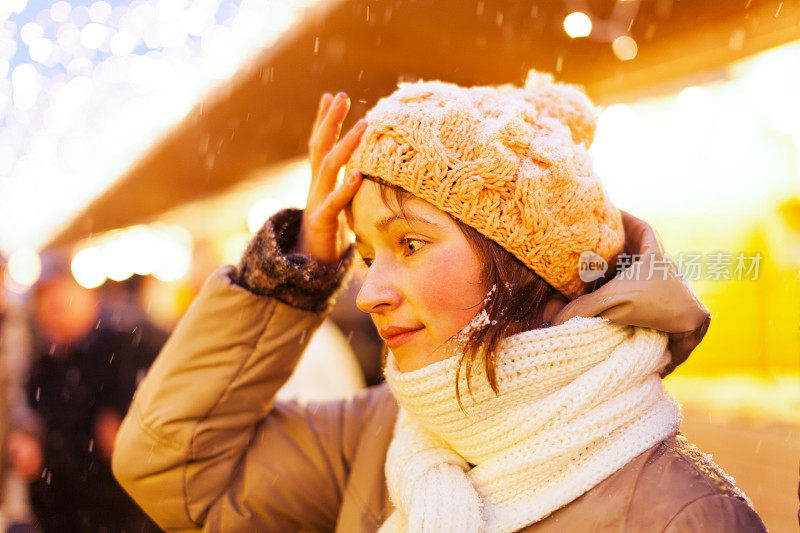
681, 489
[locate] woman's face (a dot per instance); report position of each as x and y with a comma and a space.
421, 273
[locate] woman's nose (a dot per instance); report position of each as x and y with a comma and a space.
378, 293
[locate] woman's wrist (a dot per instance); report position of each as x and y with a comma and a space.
270, 267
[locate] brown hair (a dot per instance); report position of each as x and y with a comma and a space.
517, 305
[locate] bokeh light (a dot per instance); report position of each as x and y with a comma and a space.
624, 48
93, 35
87, 268
161, 250
25, 266
30, 32
59, 11
577, 24
99, 11
173, 255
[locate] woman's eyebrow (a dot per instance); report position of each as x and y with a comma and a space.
383, 223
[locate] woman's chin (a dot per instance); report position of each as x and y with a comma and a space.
409, 364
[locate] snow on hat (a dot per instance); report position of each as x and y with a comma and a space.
509, 161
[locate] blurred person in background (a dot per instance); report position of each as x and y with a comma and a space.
81, 381
15, 343
3, 374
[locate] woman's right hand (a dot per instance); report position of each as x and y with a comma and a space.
322, 230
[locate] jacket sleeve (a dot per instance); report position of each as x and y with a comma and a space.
212, 388
716, 512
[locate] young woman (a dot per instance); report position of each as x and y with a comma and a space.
522, 385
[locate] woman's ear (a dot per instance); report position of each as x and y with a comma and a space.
554, 306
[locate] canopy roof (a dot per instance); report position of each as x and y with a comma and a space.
263, 115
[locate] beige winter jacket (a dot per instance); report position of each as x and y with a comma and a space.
206, 446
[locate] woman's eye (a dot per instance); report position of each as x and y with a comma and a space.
415, 244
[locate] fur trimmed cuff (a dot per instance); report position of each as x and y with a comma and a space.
269, 267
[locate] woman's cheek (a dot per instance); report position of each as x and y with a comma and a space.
448, 287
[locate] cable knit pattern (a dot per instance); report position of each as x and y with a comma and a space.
511, 162
577, 402
269, 267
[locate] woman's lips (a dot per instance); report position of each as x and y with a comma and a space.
396, 340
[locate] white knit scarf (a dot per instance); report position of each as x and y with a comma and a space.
577, 402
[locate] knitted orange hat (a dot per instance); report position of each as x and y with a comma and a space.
511, 162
